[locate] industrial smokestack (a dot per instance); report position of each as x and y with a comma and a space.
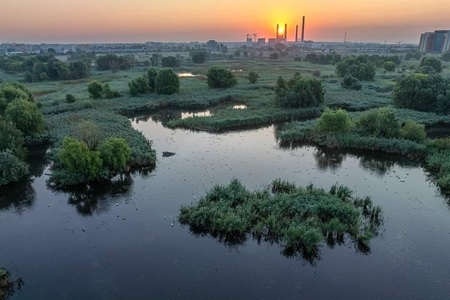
296, 33
285, 32
303, 29
276, 33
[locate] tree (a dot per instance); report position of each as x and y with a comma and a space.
350, 82
167, 82
78, 161
199, 57
432, 62
299, 92
389, 66
423, 92
170, 62
26, 116
115, 154
358, 67
151, 74
11, 168
253, 77
380, 122
446, 56
11, 91
95, 89
11, 138
88, 132
413, 131
139, 86
274, 55
336, 121
109, 92
219, 77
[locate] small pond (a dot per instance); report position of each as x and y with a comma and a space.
122, 241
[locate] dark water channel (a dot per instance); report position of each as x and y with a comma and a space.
118, 241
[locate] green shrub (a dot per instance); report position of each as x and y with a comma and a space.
433, 62
219, 77
151, 74
446, 56
26, 116
115, 154
70, 98
253, 77
95, 89
380, 122
299, 92
389, 66
11, 168
167, 82
139, 86
110, 93
88, 131
351, 83
336, 121
358, 67
413, 131
11, 138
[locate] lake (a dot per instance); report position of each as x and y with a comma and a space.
123, 241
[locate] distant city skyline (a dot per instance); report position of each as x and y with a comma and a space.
103, 21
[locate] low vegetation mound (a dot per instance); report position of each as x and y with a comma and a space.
219, 77
299, 218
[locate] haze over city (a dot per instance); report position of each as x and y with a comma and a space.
83, 21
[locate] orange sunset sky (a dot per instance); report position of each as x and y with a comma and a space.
88, 21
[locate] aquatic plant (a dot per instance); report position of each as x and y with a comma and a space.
299, 218
8, 285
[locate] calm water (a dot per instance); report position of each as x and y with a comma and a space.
118, 242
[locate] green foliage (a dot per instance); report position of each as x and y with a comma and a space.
82, 164
88, 132
11, 91
253, 77
115, 154
426, 70
167, 82
110, 93
446, 56
274, 55
26, 116
323, 59
198, 57
12, 169
380, 122
151, 74
11, 138
70, 98
423, 92
139, 86
334, 121
95, 89
389, 66
219, 77
114, 62
170, 62
413, 131
351, 83
432, 62
296, 217
358, 67
299, 92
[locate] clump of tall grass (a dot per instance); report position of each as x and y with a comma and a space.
299, 218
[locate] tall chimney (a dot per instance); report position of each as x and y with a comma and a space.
296, 33
276, 34
285, 32
303, 29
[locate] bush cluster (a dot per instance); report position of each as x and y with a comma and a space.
299, 92
358, 67
164, 82
219, 77
98, 90
114, 62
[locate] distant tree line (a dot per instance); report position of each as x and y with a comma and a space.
114, 62
45, 67
323, 59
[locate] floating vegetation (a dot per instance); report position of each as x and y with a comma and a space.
300, 219
8, 285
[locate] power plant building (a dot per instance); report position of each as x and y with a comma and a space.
435, 42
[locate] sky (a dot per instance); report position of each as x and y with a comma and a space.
102, 21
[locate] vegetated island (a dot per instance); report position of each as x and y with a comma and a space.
298, 218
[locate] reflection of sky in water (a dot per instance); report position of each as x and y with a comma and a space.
127, 248
240, 106
187, 115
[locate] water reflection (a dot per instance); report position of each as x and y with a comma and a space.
98, 198
17, 196
328, 159
8, 284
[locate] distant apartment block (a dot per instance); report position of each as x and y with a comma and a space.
435, 42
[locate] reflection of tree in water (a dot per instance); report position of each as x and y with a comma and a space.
98, 198
9, 285
328, 159
377, 165
38, 160
17, 196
